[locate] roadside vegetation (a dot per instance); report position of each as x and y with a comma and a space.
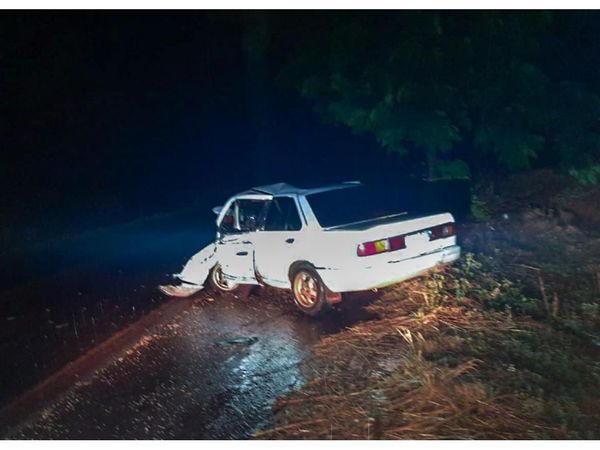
503, 345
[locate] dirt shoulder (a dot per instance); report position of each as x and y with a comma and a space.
503, 345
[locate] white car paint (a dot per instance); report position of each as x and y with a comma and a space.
265, 257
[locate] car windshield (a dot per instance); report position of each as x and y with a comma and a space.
356, 204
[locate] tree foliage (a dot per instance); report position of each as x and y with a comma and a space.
442, 84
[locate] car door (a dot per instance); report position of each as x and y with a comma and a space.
236, 238
280, 242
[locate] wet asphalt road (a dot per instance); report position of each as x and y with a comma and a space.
186, 380
80, 291
208, 367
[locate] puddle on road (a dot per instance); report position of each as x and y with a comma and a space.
240, 340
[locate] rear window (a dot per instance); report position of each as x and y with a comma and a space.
356, 204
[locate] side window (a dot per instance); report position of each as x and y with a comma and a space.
282, 215
243, 216
250, 214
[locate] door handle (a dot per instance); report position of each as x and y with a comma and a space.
242, 253
289, 241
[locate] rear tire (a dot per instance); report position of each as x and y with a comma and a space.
310, 294
218, 282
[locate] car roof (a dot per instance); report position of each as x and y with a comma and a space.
288, 189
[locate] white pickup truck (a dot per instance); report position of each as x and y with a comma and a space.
319, 243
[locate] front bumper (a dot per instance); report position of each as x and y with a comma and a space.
362, 278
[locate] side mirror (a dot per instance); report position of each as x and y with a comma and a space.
217, 210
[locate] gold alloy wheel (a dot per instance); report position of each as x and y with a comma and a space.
306, 289
220, 281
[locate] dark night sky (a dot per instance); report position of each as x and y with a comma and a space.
106, 116
134, 112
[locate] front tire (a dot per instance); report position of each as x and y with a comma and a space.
309, 291
218, 281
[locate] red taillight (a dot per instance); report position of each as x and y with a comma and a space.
442, 231
366, 249
381, 246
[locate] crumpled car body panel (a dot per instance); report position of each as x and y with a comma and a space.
196, 270
193, 274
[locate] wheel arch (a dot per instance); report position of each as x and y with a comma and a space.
297, 264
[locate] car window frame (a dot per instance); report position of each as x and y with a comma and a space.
261, 216
233, 202
298, 212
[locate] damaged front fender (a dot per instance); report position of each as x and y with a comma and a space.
193, 274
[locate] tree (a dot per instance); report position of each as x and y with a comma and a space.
431, 83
